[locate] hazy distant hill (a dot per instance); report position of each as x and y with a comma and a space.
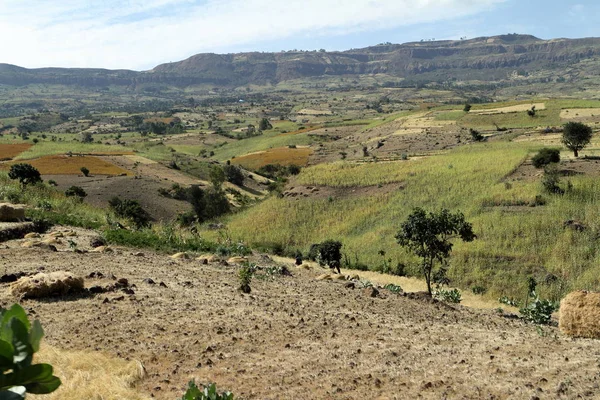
483, 59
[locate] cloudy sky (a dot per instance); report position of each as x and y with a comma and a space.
139, 34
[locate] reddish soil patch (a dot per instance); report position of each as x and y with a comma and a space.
10, 151
298, 338
65, 165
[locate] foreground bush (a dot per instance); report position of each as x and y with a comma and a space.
19, 340
545, 156
131, 210
207, 393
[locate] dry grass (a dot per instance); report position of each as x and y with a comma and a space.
65, 165
9, 151
303, 130
92, 376
280, 155
510, 109
574, 113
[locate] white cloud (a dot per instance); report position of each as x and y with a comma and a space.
139, 34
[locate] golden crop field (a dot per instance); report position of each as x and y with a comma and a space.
10, 151
65, 165
280, 155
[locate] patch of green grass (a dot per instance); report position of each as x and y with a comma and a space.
45, 148
450, 116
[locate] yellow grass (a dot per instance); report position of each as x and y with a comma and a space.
574, 113
92, 376
9, 151
280, 155
65, 165
510, 109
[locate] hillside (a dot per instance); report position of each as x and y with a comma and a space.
497, 58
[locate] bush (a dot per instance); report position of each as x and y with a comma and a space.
475, 135
467, 107
478, 290
131, 210
245, 276
26, 174
545, 156
19, 340
551, 179
539, 311
85, 171
76, 191
207, 393
327, 253
448, 296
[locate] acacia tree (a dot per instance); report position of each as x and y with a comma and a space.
576, 136
26, 174
428, 236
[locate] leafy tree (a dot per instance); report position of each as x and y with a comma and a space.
576, 136
26, 174
531, 112
217, 177
131, 210
467, 108
328, 253
264, 125
208, 204
19, 340
428, 236
76, 191
234, 174
85, 171
545, 156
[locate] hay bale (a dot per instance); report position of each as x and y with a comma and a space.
32, 235
210, 258
579, 314
101, 249
324, 277
50, 284
12, 212
237, 260
180, 256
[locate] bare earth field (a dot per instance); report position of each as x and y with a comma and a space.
295, 337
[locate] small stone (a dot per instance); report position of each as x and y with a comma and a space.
149, 281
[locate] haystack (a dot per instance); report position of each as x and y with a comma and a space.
580, 315
50, 284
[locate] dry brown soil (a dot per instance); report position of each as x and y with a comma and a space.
295, 337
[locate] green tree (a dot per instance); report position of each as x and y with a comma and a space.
85, 171
264, 125
234, 174
131, 210
467, 108
26, 174
429, 235
576, 136
217, 177
76, 191
328, 253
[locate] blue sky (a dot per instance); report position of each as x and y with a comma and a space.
139, 34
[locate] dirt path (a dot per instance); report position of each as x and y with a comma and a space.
299, 338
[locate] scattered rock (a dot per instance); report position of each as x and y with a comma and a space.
162, 284
149, 281
97, 241
371, 292
138, 254
96, 274
96, 289
349, 285
9, 278
12, 212
44, 284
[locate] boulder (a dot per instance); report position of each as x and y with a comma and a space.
44, 284
12, 212
579, 314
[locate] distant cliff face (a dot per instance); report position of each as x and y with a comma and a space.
489, 57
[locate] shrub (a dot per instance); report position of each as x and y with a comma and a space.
131, 210
476, 135
26, 174
328, 253
393, 288
467, 108
448, 296
76, 191
539, 311
478, 290
545, 156
208, 392
19, 340
52, 182
85, 171
245, 277
551, 179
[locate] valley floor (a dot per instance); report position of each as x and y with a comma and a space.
295, 337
